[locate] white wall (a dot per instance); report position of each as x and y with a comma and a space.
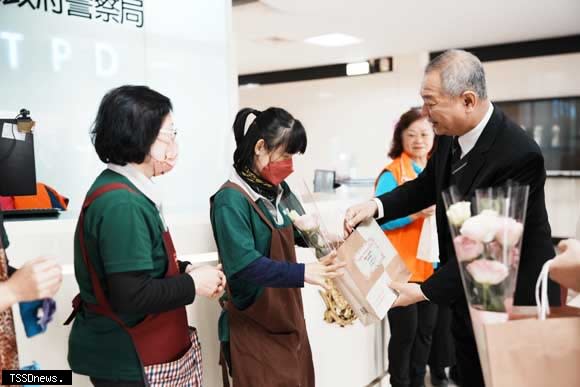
352, 118
60, 66
348, 117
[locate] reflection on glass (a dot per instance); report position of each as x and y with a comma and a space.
555, 136
538, 134
554, 125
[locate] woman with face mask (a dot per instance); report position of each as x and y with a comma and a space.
262, 327
131, 325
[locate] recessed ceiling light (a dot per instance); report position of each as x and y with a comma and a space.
250, 85
358, 68
333, 40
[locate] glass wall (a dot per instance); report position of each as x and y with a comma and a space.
555, 126
58, 58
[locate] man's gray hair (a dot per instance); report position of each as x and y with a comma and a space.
460, 71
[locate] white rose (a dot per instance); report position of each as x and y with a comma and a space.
487, 272
482, 227
489, 213
509, 232
306, 223
293, 215
459, 213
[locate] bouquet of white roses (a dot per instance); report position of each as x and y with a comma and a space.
488, 244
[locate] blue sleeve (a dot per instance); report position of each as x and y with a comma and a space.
273, 274
386, 184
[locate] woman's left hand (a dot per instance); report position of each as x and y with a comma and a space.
427, 212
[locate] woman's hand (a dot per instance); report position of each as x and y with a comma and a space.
316, 273
36, 279
210, 281
565, 268
425, 213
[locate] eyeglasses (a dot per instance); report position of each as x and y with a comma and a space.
172, 132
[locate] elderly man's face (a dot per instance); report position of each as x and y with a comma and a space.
446, 113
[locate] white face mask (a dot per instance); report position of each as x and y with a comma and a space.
164, 155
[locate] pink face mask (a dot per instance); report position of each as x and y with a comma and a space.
164, 155
277, 171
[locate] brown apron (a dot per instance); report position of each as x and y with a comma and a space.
268, 340
8, 348
160, 338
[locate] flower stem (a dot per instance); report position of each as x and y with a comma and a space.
485, 296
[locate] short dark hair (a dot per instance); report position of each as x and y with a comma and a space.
127, 124
405, 121
275, 126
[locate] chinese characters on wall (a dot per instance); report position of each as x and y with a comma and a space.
107, 11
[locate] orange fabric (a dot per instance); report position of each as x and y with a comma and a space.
406, 239
61, 199
40, 200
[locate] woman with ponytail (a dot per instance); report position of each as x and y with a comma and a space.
262, 328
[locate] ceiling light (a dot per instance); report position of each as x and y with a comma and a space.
250, 85
333, 40
358, 68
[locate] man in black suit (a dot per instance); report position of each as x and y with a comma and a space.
477, 147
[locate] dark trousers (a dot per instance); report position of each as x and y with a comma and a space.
442, 347
410, 342
468, 366
114, 383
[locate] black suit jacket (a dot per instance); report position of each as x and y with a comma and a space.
502, 152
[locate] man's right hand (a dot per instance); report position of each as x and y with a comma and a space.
357, 214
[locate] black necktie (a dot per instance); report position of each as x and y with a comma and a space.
455, 151
457, 163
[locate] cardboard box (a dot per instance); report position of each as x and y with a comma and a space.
372, 264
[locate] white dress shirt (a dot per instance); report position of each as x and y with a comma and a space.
466, 143
469, 139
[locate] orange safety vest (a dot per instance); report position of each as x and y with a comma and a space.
406, 239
